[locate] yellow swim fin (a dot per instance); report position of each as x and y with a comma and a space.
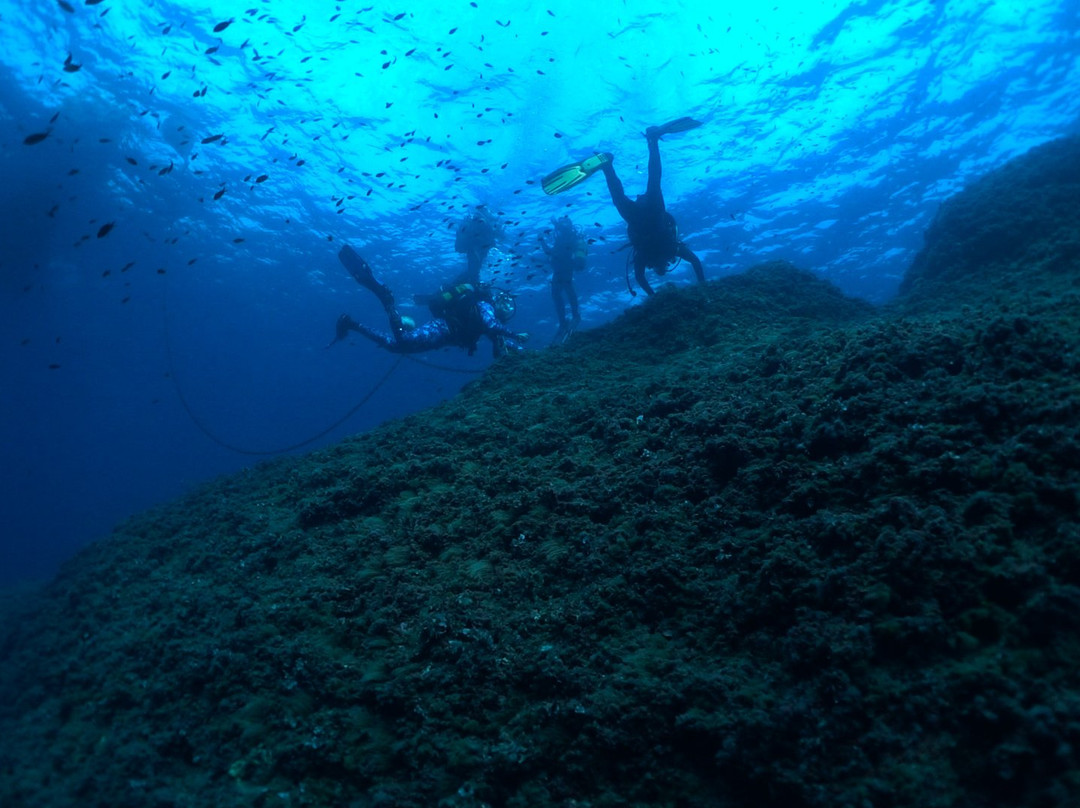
566, 177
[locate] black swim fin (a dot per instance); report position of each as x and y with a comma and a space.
361, 272
672, 127
344, 325
357, 266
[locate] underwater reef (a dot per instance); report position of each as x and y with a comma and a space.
752, 544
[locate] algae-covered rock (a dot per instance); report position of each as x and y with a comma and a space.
753, 544
1014, 231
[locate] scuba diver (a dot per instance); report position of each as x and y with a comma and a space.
461, 315
652, 231
476, 235
567, 255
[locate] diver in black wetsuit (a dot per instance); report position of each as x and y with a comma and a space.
567, 255
463, 314
652, 231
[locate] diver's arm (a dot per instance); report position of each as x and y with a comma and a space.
493, 328
687, 254
501, 345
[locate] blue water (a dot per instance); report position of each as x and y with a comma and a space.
831, 134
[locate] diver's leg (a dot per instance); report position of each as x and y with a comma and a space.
345, 324
623, 203
363, 274
397, 327
575, 312
431, 335
563, 293
378, 337
386, 297
475, 260
686, 254
652, 190
639, 275
560, 304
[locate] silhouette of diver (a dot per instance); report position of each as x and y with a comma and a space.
652, 231
476, 235
567, 253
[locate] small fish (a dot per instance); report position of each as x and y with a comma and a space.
212, 139
132, 160
262, 178
70, 9
219, 194
238, 240
92, 2
37, 137
105, 228
211, 49
221, 26
69, 66
55, 366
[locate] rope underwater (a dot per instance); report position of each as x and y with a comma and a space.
241, 449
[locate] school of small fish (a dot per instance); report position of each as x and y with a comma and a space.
235, 38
